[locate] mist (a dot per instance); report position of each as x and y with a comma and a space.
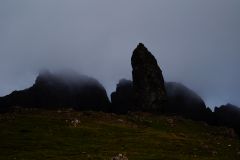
196, 43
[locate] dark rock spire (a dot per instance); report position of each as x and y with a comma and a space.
148, 81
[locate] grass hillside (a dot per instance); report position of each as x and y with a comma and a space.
70, 135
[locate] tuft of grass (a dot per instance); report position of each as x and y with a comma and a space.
50, 135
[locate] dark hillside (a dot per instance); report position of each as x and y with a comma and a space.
228, 115
32, 134
58, 91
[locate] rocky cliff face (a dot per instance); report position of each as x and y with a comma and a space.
60, 90
148, 82
122, 98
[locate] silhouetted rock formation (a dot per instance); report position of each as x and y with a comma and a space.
228, 115
60, 90
122, 98
148, 92
148, 82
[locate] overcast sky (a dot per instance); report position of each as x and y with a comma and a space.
196, 42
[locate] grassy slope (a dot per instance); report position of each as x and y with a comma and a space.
41, 135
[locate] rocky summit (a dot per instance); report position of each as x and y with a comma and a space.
148, 81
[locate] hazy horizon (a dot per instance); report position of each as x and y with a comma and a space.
196, 43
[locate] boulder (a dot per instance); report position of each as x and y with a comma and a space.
119, 157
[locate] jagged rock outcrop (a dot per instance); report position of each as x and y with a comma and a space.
148, 82
60, 90
228, 115
122, 98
